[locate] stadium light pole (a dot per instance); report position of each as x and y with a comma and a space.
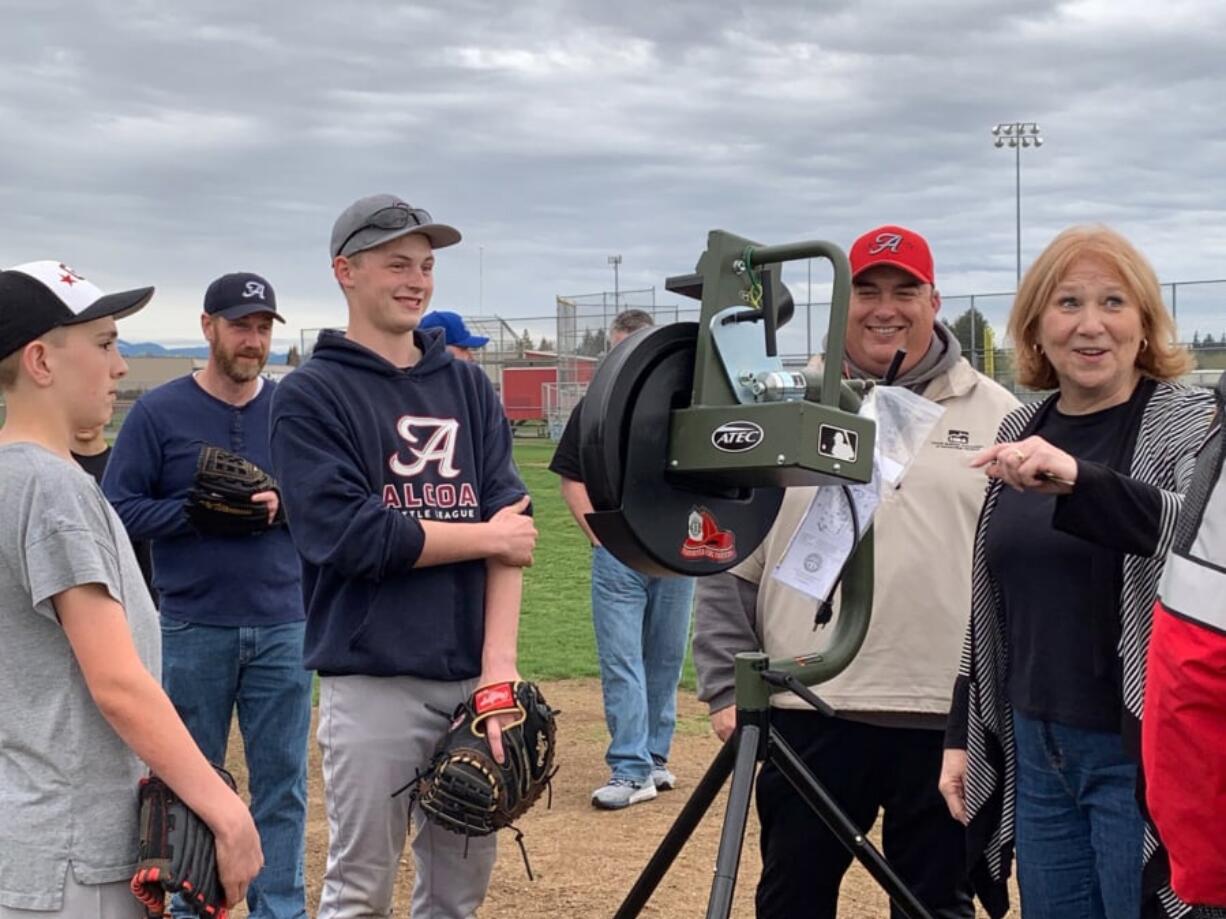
615, 261
1017, 134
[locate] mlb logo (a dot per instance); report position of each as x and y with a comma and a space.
838, 443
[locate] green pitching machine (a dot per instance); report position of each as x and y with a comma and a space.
689, 435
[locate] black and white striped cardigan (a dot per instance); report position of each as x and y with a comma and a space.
1173, 423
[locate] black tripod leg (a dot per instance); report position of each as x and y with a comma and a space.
794, 769
681, 830
735, 816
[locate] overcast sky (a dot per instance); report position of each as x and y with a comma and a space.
167, 143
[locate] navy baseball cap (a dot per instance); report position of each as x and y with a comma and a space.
378, 219
455, 332
233, 296
40, 296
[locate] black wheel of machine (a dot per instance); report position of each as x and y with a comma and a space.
651, 520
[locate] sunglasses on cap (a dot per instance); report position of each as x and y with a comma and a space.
394, 217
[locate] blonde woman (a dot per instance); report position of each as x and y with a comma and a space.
1042, 747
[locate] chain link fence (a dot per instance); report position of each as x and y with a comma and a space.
574, 338
583, 322
978, 320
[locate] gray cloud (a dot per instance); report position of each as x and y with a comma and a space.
169, 143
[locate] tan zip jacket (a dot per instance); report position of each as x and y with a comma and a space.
924, 534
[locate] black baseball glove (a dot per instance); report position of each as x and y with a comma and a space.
466, 790
177, 854
220, 504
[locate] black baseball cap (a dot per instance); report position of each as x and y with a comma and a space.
40, 296
233, 296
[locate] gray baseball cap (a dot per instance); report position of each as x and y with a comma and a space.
377, 219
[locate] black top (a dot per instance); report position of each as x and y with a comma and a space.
565, 460
1063, 664
96, 465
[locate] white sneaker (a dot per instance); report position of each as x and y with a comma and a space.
661, 777
619, 793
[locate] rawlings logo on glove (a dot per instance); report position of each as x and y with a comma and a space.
465, 789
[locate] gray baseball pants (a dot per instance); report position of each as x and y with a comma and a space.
376, 733
86, 901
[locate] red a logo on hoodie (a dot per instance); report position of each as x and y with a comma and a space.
439, 446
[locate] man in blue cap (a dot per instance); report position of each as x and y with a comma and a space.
460, 342
231, 606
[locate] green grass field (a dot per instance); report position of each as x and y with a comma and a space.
556, 640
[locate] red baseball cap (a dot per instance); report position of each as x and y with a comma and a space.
892, 245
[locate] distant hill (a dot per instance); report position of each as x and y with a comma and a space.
153, 349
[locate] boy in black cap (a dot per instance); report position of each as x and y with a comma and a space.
232, 616
80, 705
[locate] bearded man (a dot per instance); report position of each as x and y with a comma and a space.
231, 606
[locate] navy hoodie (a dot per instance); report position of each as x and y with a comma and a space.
364, 450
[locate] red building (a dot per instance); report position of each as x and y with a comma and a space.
523, 387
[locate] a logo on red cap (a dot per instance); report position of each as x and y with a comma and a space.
884, 241
892, 245
706, 540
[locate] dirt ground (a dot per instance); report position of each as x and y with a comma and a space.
585, 861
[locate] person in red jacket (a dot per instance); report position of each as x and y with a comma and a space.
1183, 740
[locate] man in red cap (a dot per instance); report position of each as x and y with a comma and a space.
883, 748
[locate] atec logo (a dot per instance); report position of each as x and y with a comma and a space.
736, 436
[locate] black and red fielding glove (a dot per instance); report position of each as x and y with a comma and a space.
177, 854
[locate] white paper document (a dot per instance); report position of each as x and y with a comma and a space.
904, 421
823, 541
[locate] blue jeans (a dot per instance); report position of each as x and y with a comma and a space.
642, 629
207, 671
1079, 828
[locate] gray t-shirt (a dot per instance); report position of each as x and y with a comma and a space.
68, 784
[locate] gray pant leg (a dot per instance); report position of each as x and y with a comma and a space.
86, 901
376, 733
453, 873
363, 763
